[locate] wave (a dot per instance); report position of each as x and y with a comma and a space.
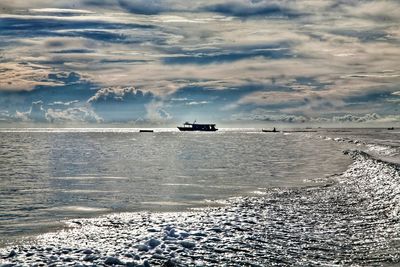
354, 220
378, 182
376, 146
382, 150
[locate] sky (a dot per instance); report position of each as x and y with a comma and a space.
162, 62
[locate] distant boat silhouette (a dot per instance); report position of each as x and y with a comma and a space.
197, 127
146, 131
390, 128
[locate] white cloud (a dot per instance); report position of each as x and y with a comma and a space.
156, 113
194, 103
264, 115
60, 103
354, 118
37, 113
60, 11
118, 94
74, 114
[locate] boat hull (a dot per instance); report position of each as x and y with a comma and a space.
187, 129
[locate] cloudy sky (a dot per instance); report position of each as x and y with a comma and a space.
169, 61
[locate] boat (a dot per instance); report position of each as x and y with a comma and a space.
197, 127
146, 131
269, 131
390, 128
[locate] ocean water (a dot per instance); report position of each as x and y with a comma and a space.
347, 180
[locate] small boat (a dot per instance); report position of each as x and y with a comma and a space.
269, 131
146, 131
390, 128
197, 127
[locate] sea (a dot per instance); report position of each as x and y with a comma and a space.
49, 175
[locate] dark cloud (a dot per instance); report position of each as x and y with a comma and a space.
74, 51
99, 35
41, 27
25, 24
124, 61
145, 7
369, 35
253, 8
104, 31
231, 54
239, 8
372, 96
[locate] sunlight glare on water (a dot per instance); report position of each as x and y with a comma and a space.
47, 175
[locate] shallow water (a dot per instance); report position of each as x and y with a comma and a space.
47, 175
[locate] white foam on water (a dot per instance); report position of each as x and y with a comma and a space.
382, 150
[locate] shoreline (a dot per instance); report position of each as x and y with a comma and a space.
67, 224
146, 236
207, 236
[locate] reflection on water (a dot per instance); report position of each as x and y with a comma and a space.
46, 176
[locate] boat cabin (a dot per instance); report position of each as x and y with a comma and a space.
197, 127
